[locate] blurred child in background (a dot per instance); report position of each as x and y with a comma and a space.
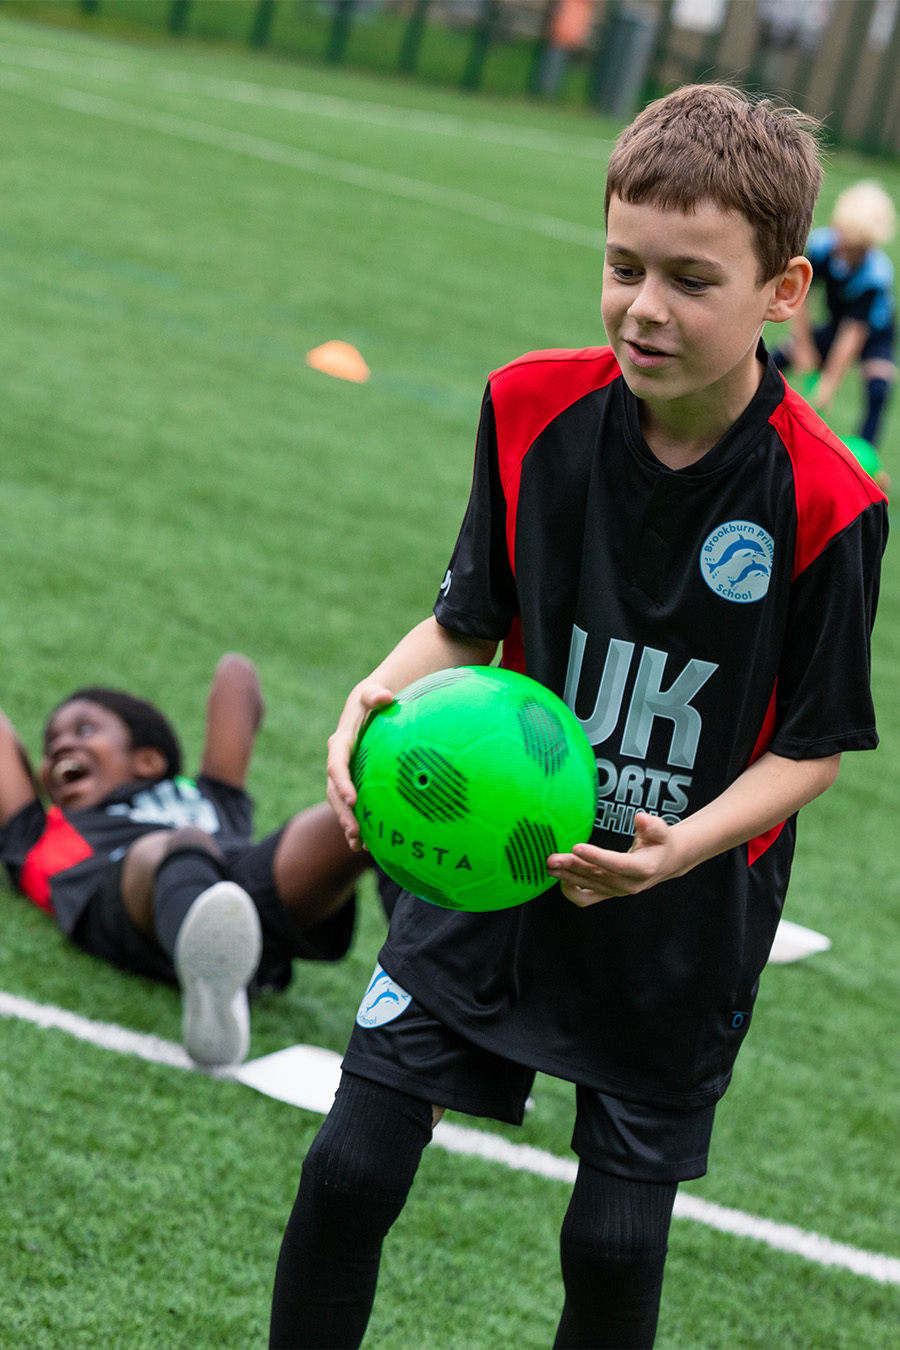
859, 325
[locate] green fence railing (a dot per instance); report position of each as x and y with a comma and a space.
846, 72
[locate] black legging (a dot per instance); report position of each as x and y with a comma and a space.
355, 1181
613, 1252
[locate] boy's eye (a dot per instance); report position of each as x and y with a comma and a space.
84, 729
693, 284
623, 273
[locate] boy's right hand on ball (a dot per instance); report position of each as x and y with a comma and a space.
341, 793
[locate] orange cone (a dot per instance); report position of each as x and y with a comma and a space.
339, 359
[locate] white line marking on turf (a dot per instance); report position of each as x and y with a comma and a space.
306, 161
786, 1237
300, 101
460, 1139
105, 1034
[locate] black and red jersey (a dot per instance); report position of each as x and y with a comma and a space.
59, 858
692, 619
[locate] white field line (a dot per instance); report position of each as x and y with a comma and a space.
247, 93
476, 1143
304, 161
105, 1034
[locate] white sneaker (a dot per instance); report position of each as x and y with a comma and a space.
216, 954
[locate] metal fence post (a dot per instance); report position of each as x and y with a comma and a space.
533, 85
875, 136
262, 22
178, 16
599, 65
481, 41
412, 38
709, 53
890, 140
624, 54
658, 56
339, 35
860, 18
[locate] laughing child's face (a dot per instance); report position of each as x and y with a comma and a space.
88, 754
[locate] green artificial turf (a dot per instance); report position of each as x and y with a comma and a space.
177, 482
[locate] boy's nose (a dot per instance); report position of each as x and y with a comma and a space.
648, 305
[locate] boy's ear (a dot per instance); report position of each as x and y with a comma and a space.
790, 290
148, 762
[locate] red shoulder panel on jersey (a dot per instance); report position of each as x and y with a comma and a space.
527, 394
831, 488
59, 847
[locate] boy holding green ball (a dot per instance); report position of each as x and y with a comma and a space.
666, 536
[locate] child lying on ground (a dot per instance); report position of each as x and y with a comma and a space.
157, 873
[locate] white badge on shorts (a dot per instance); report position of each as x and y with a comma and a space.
382, 1002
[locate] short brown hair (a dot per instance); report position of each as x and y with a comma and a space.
712, 142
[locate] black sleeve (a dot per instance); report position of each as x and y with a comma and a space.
478, 593
824, 700
20, 836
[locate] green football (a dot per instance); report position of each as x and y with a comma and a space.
865, 454
468, 781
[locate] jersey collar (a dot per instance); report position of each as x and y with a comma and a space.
741, 436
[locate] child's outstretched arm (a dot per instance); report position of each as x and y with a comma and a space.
426, 648
845, 351
767, 793
234, 712
17, 787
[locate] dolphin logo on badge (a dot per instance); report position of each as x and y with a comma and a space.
740, 545
383, 1000
736, 561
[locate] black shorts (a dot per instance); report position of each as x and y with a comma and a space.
105, 928
397, 1043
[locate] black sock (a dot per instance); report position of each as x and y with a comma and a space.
180, 878
613, 1251
877, 392
355, 1181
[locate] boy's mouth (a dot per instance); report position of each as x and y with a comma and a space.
644, 356
66, 771
646, 349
